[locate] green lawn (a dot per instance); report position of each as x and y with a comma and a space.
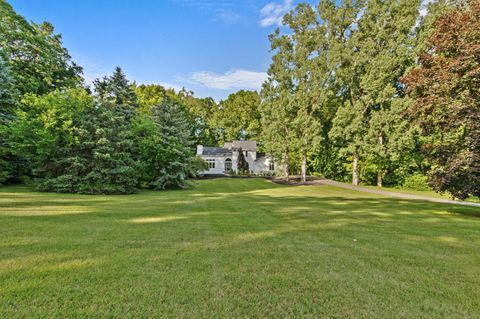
237, 248
430, 193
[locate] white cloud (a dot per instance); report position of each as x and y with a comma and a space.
220, 10
273, 13
233, 79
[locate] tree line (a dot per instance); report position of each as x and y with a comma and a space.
113, 138
363, 90
377, 92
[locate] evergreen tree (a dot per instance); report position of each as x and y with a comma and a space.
116, 91
164, 143
242, 164
74, 145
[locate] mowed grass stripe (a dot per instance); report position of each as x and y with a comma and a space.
236, 248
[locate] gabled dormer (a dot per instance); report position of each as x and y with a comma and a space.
249, 148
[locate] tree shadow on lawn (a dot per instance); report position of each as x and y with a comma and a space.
184, 239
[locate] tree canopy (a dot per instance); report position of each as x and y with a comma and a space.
368, 91
447, 101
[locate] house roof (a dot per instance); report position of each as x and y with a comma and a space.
245, 145
208, 150
261, 154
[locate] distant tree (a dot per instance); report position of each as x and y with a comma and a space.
242, 164
149, 96
239, 116
116, 90
203, 113
447, 101
309, 69
35, 54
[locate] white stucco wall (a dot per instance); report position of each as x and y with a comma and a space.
257, 166
262, 165
219, 164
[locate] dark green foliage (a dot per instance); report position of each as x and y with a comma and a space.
164, 146
116, 90
242, 164
100, 161
74, 145
7, 102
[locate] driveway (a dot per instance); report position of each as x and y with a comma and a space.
318, 181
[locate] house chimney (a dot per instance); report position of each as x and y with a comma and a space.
199, 149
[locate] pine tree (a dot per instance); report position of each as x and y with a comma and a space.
116, 91
242, 164
74, 145
164, 146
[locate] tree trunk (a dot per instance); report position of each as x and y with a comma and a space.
286, 167
380, 172
304, 167
380, 179
355, 180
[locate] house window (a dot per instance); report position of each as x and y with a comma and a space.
228, 165
246, 153
271, 166
210, 162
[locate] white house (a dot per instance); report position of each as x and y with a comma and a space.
223, 160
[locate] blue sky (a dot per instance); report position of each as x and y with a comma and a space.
211, 47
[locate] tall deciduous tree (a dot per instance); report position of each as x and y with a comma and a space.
34, 52
7, 103
377, 51
239, 116
149, 96
447, 101
276, 108
310, 77
203, 113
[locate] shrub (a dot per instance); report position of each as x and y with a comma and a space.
417, 182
